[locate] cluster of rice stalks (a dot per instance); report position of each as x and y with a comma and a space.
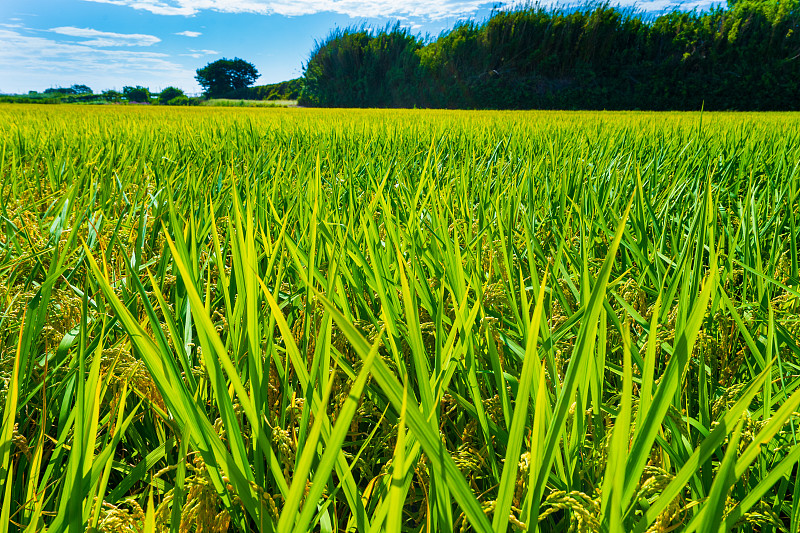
296, 320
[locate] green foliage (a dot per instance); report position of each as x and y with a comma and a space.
285, 90
333, 320
226, 75
54, 96
598, 57
59, 90
354, 68
30, 99
136, 94
111, 95
81, 89
168, 94
181, 100
76, 89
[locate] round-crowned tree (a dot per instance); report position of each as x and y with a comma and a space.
168, 94
226, 75
137, 94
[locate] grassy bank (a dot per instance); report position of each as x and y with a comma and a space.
229, 102
328, 320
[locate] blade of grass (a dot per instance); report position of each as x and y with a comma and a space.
530, 366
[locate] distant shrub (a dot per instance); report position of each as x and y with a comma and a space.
285, 90
28, 100
179, 100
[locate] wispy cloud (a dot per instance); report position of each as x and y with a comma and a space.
51, 62
189, 33
201, 53
428, 9
105, 38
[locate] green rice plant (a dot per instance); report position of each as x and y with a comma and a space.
323, 320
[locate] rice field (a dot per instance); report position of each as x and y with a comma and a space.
341, 320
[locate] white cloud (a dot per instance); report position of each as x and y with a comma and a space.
201, 53
189, 33
105, 38
33, 62
428, 9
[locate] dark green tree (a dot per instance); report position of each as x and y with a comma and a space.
59, 90
136, 94
225, 76
81, 89
111, 95
168, 94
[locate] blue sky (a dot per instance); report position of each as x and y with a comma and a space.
108, 44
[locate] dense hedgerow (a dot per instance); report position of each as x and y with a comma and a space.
742, 57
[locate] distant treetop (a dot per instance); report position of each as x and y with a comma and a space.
75, 89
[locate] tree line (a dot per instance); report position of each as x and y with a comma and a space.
80, 93
223, 78
745, 56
